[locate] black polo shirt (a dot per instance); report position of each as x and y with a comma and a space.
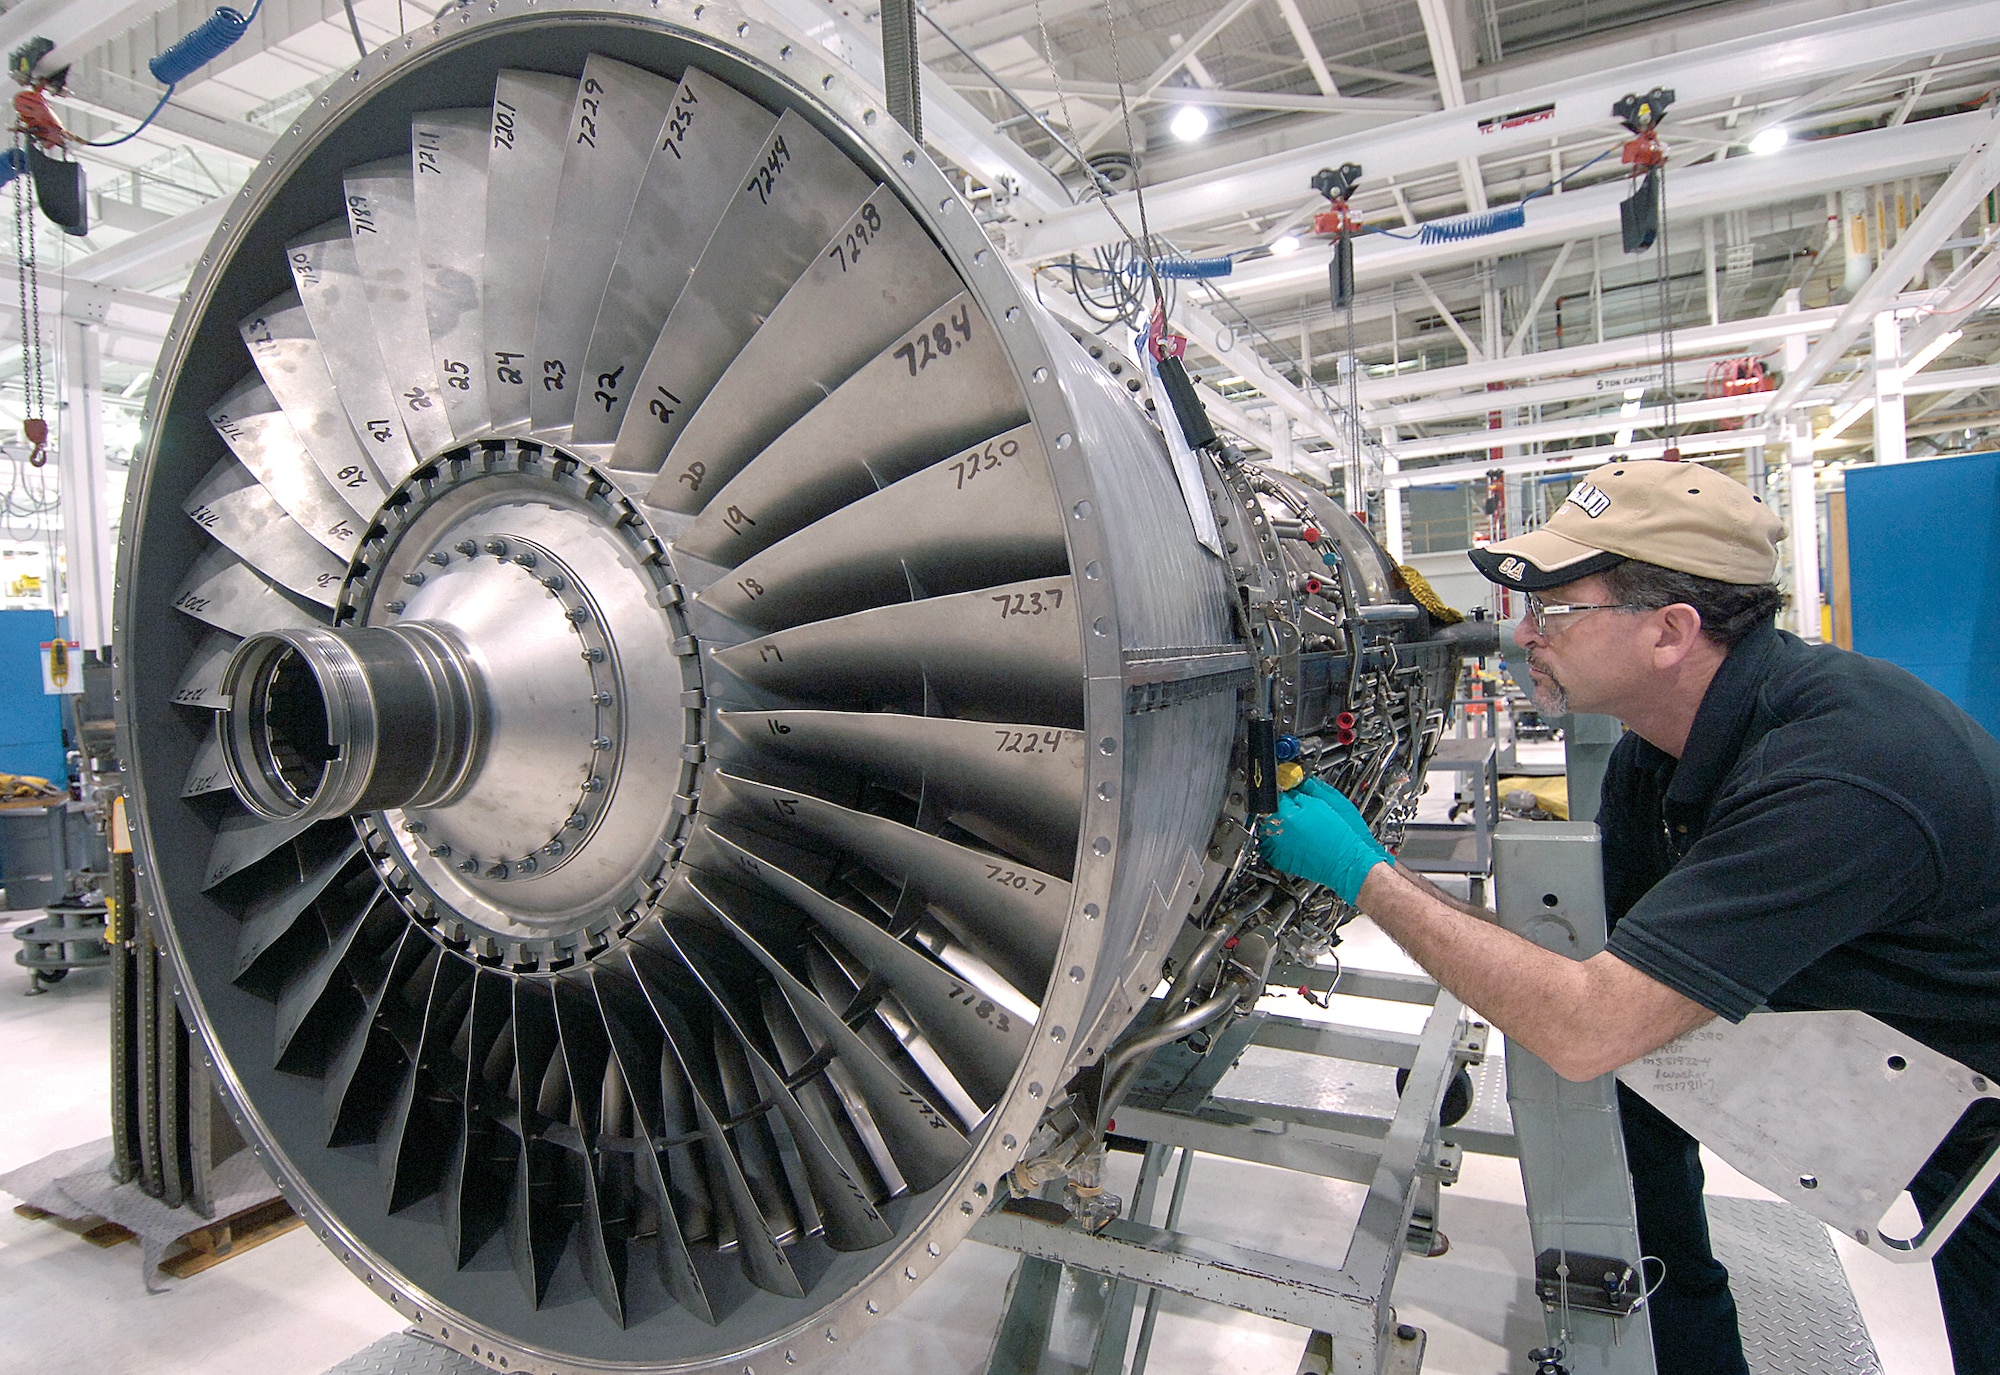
1829, 839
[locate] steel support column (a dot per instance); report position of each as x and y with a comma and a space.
1549, 887
1392, 507
1892, 443
86, 512
1801, 545
1802, 513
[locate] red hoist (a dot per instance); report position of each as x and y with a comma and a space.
1642, 221
1339, 223
1645, 156
1737, 377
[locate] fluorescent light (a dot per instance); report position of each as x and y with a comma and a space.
1927, 355
1284, 244
1769, 140
1190, 122
1846, 418
1634, 399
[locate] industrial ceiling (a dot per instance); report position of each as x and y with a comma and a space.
1450, 107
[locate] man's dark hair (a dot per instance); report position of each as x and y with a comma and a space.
1729, 611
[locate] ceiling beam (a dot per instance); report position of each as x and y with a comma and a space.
97, 24
1744, 183
1961, 193
1862, 40
1177, 59
1812, 100
1224, 342
1473, 352
979, 25
106, 91
1451, 90
1562, 459
56, 20
952, 123
1959, 382
1585, 359
129, 314
153, 254
1212, 96
1573, 427
1976, 282
1541, 298
1308, 49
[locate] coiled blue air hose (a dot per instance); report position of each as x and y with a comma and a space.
212, 39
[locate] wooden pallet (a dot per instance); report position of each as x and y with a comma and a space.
195, 1251
94, 1230
211, 1245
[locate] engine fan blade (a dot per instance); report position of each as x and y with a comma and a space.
448, 174
1012, 915
281, 343
523, 172
245, 519
228, 594
890, 419
866, 289
201, 681
981, 1052
712, 133
988, 516
327, 275
618, 120
795, 191
1007, 653
382, 222
257, 431
1018, 787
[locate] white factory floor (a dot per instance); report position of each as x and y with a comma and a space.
288, 1309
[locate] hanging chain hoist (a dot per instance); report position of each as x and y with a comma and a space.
34, 421
1643, 220
1339, 222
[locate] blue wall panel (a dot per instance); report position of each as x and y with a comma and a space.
1923, 561
30, 720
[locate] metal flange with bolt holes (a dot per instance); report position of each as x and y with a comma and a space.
720, 1079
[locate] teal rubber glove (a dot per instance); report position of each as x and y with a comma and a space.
1314, 839
1336, 799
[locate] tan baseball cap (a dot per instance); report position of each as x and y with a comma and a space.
1678, 515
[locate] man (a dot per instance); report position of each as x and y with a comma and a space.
1783, 824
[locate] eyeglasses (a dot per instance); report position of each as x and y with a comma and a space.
1541, 615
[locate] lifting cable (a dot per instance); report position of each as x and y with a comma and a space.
34, 422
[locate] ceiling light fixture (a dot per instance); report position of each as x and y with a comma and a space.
1769, 140
1926, 355
1190, 122
1284, 245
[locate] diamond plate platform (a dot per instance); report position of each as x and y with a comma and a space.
1491, 1120
406, 1353
1796, 1311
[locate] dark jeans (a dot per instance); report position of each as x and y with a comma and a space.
1693, 1313
1968, 1268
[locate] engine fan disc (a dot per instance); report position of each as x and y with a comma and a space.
632, 757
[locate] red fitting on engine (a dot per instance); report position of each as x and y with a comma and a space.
1161, 342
